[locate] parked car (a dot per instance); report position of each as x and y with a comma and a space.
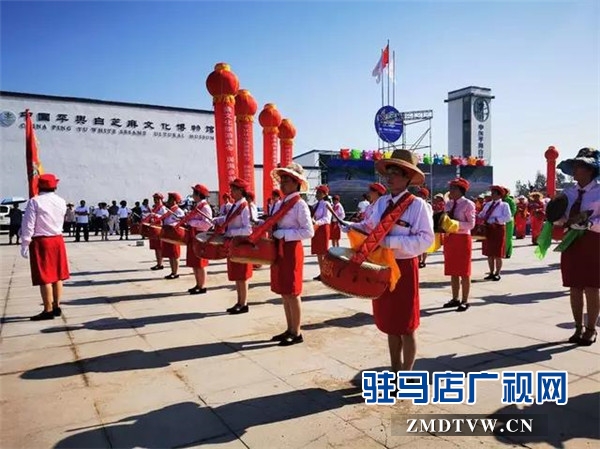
4, 219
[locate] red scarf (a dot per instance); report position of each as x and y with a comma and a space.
488, 214
220, 229
259, 231
192, 214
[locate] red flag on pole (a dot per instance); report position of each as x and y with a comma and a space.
34, 166
384, 60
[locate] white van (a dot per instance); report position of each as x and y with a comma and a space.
4, 219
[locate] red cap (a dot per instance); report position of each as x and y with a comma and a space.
424, 192
323, 189
201, 189
47, 181
500, 189
377, 187
276, 192
239, 183
176, 196
158, 195
461, 182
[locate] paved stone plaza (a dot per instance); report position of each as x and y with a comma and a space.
137, 362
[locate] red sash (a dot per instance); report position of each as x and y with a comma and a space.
259, 231
192, 214
488, 214
151, 216
220, 229
388, 219
171, 211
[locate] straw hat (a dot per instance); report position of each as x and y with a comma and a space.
589, 156
407, 161
293, 170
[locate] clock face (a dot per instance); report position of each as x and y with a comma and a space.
481, 109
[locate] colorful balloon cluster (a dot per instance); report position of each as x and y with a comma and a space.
436, 159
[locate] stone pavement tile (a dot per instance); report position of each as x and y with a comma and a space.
30, 360
60, 436
14, 387
584, 397
37, 341
563, 357
87, 312
544, 329
499, 342
26, 327
229, 441
333, 376
117, 346
595, 376
175, 337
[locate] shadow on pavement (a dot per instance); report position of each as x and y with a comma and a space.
356, 320
113, 299
94, 273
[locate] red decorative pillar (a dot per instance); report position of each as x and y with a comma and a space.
223, 84
287, 132
245, 109
551, 156
269, 119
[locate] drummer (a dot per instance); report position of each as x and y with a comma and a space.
580, 262
335, 233
156, 244
458, 246
287, 271
226, 205
495, 215
321, 218
250, 197
376, 191
171, 217
199, 223
397, 313
423, 193
275, 202
237, 223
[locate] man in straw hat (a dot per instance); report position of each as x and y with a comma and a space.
397, 312
458, 246
580, 262
321, 217
495, 215
293, 224
43, 243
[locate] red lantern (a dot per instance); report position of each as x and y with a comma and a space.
345, 153
270, 119
223, 84
287, 132
245, 109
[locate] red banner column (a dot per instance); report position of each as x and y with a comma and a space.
269, 119
245, 109
223, 84
551, 156
287, 132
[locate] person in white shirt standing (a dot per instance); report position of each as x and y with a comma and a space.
495, 215
170, 218
82, 218
43, 243
335, 233
198, 220
123, 213
101, 215
321, 218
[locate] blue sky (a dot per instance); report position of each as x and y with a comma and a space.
314, 60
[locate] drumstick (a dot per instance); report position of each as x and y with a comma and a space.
209, 219
337, 217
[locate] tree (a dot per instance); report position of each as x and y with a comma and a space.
539, 185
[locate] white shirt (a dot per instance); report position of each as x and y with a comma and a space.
500, 215
123, 212
84, 219
97, 213
406, 241
43, 216
240, 225
362, 206
224, 209
589, 201
339, 210
145, 211
101, 213
200, 223
273, 207
464, 213
253, 212
174, 217
296, 224
322, 215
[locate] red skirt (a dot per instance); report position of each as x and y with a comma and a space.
494, 245
286, 271
398, 312
320, 242
457, 254
170, 251
520, 226
335, 232
156, 244
48, 260
191, 260
536, 227
580, 264
238, 271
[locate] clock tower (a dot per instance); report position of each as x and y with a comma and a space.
470, 122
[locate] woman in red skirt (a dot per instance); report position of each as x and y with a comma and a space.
158, 210
198, 222
43, 243
458, 246
521, 218
537, 214
495, 214
321, 218
580, 263
335, 234
397, 312
237, 223
293, 227
171, 218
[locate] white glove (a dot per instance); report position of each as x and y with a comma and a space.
581, 226
278, 234
25, 252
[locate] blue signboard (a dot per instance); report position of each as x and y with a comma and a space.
388, 124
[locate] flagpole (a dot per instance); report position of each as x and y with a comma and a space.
382, 98
394, 79
388, 73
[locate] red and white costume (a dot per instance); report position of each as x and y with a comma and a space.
322, 220
170, 250
537, 213
41, 230
521, 219
496, 214
335, 233
458, 246
295, 226
157, 212
197, 224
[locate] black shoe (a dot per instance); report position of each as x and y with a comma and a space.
281, 337
496, 277
237, 309
171, 276
56, 311
422, 264
291, 339
452, 303
591, 337
577, 335
489, 277
43, 316
197, 291
317, 278
157, 267
463, 307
